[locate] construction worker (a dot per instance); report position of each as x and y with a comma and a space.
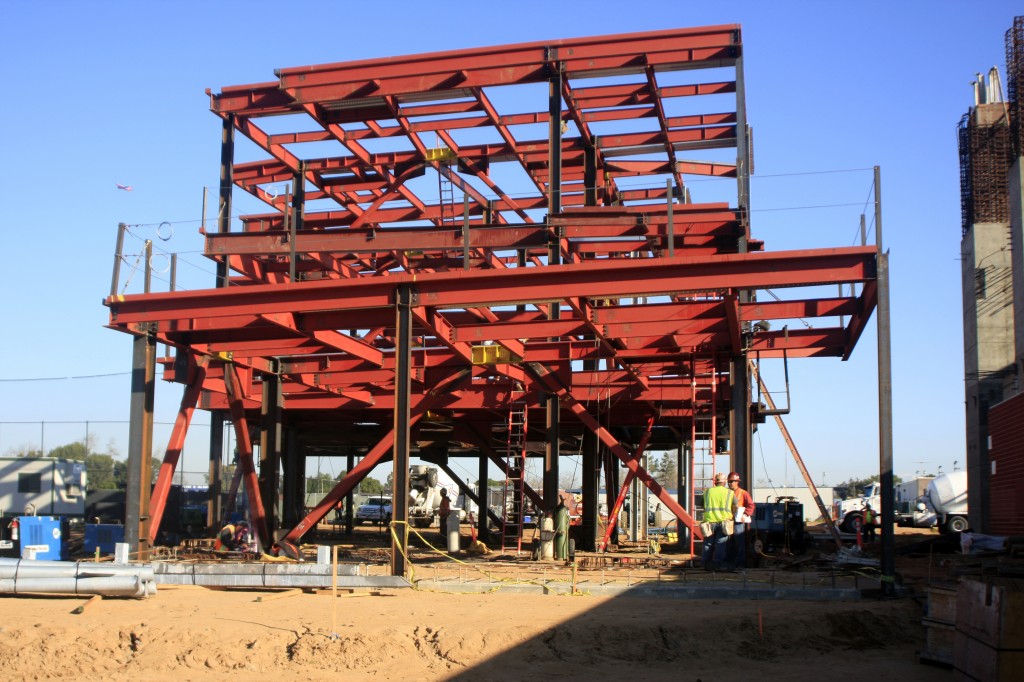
232, 537
743, 512
561, 531
718, 504
868, 523
444, 509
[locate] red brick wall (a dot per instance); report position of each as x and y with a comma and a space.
1006, 491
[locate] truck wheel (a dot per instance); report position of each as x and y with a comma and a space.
956, 524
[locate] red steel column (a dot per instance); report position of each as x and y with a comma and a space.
246, 467
175, 445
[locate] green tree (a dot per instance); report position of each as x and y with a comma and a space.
23, 451
664, 469
77, 451
100, 472
371, 486
321, 483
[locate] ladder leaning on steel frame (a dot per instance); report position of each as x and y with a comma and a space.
705, 446
515, 473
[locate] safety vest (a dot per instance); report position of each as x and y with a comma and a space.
869, 517
718, 503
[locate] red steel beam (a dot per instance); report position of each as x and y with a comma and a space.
448, 72
606, 279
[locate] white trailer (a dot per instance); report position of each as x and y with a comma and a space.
44, 486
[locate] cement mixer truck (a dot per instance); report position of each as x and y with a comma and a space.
425, 487
947, 496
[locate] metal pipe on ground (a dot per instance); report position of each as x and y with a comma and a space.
18, 576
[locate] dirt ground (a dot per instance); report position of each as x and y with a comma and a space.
192, 633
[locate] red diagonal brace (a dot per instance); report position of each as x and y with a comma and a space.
553, 384
245, 463
158, 499
371, 459
614, 514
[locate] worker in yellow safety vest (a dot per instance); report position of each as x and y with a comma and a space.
717, 522
867, 525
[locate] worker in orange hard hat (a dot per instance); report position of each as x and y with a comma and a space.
743, 512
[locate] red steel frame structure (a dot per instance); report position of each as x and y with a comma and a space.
363, 315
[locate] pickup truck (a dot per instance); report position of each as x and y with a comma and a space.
376, 510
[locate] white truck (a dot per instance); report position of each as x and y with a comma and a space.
947, 496
44, 486
943, 503
849, 514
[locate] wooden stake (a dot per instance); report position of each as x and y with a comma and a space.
280, 595
334, 590
82, 607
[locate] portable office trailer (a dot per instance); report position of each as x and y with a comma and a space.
47, 486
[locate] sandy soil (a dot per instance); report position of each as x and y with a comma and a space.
191, 633
199, 634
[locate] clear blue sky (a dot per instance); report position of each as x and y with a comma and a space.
113, 92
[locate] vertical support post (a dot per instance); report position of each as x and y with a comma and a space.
590, 175
686, 502
115, 275
671, 223
742, 156
591, 467
299, 199
888, 558
465, 232
270, 447
214, 506
214, 514
140, 445
484, 493
555, 139
148, 268
349, 498
202, 218
551, 405
294, 467
739, 415
635, 507
289, 227
227, 180
400, 457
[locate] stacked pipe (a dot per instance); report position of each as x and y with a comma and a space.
18, 576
